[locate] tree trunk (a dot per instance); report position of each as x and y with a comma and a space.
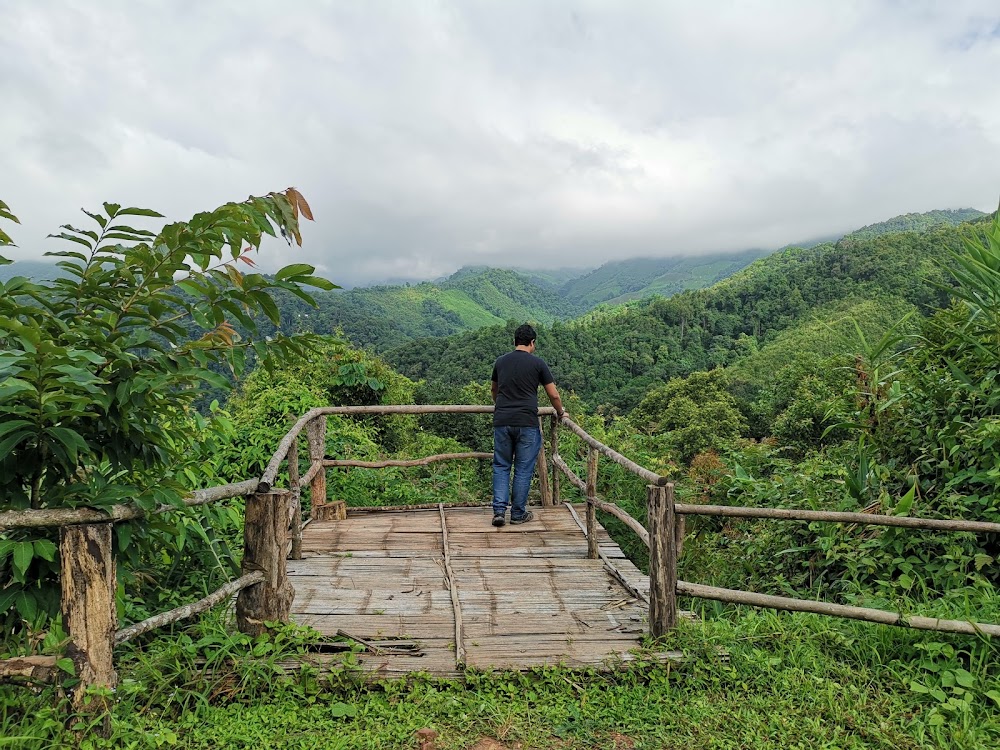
592, 549
662, 561
554, 450
89, 613
317, 452
542, 470
265, 534
296, 500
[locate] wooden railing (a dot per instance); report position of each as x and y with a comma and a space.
273, 533
665, 538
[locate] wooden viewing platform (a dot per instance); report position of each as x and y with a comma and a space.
525, 595
430, 589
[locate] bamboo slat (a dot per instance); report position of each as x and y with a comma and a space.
453, 592
354, 510
526, 594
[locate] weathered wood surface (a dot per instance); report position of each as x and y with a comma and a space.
554, 452
591, 511
662, 560
188, 610
614, 455
267, 478
316, 433
265, 536
452, 585
870, 519
89, 582
295, 523
542, 469
29, 670
527, 594
426, 460
38, 518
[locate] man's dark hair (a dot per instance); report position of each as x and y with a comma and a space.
524, 335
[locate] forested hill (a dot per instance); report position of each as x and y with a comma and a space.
33, 269
380, 317
613, 357
623, 280
917, 222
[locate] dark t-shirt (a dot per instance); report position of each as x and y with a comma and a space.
518, 375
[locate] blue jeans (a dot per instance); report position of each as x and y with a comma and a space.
517, 448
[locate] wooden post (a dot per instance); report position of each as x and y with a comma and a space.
592, 549
90, 616
316, 431
554, 450
662, 560
542, 469
265, 534
293, 484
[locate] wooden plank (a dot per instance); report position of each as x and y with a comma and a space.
527, 595
379, 626
320, 599
453, 592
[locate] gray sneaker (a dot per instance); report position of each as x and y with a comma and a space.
498, 520
523, 519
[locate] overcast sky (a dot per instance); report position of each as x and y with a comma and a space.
432, 135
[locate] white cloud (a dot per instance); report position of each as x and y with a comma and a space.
427, 136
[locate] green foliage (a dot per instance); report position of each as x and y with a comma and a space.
916, 222
381, 317
331, 373
635, 278
612, 357
693, 413
797, 681
99, 368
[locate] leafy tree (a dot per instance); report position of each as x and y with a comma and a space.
694, 413
99, 368
330, 373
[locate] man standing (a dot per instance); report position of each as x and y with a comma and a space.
517, 437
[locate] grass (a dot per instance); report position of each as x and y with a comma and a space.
791, 681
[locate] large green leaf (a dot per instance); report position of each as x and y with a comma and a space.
23, 554
296, 269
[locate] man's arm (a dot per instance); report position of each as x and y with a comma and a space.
553, 394
494, 389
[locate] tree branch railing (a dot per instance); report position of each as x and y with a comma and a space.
666, 532
273, 533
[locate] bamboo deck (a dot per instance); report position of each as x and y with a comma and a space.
525, 595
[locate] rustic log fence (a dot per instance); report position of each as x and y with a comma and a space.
665, 540
273, 533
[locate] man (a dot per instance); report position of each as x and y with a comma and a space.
517, 437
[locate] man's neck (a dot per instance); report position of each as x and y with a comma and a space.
520, 348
